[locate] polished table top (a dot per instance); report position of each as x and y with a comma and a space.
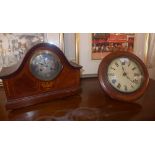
91, 103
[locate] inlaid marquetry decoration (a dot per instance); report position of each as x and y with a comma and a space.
43, 74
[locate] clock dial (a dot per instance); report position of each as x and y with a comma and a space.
45, 65
125, 74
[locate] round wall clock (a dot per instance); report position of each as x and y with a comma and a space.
42, 75
123, 76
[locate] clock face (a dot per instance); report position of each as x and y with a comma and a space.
45, 65
125, 74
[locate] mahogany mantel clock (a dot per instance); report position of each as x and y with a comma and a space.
123, 76
42, 75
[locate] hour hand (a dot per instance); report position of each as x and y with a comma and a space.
129, 78
123, 69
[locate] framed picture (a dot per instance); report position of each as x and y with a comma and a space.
91, 62
13, 46
111, 42
84, 50
56, 39
70, 48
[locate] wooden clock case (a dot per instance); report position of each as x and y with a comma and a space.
23, 89
112, 92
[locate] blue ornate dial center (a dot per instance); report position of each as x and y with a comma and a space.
45, 65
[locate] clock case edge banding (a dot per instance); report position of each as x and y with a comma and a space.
111, 91
9, 73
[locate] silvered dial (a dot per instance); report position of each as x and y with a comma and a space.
45, 65
125, 75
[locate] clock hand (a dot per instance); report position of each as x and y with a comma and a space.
131, 80
124, 73
122, 67
128, 78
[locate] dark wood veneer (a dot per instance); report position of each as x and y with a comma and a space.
90, 104
112, 92
23, 89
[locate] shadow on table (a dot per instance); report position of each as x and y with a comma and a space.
114, 111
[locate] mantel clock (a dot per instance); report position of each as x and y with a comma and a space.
42, 75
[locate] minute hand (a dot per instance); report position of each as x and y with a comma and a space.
130, 79
122, 66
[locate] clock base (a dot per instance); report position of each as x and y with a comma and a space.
42, 75
39, 98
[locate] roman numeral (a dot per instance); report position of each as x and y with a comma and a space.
111, 74
125, 87
123, 63
136, 74
135, 81
133, 68
116, 64
119, 85
113, 68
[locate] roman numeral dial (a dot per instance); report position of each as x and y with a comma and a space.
125, 75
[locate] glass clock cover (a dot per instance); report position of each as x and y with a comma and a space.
125, 74
45, 65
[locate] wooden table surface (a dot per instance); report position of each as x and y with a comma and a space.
90, 104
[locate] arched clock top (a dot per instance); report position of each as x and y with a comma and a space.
50, 48
42, 75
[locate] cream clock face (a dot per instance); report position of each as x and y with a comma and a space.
125, 75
